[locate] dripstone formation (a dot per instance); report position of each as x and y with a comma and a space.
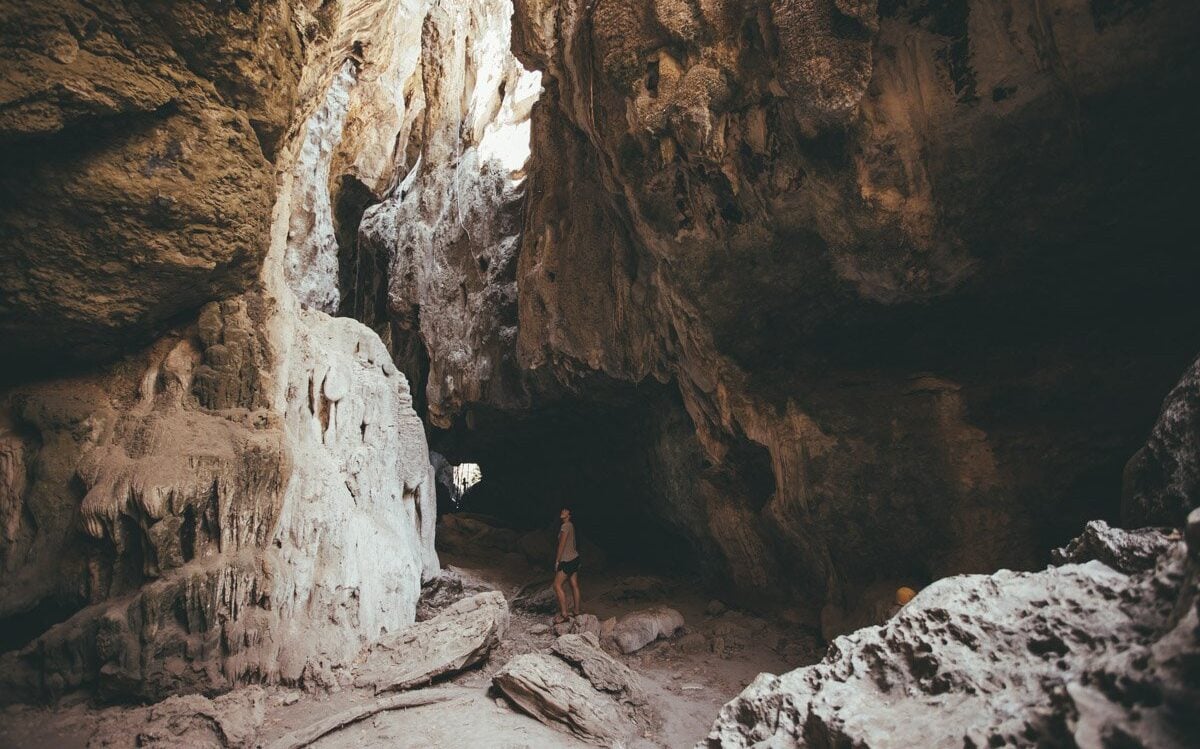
247, 496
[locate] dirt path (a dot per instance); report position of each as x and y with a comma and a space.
688, 678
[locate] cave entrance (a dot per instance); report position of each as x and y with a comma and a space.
465, 476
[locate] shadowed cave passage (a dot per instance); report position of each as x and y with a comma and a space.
601, 458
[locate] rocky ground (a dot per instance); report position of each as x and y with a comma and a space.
684, 679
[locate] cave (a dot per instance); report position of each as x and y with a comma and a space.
646, 373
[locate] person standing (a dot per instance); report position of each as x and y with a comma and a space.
566, 567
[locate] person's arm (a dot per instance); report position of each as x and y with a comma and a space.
562, 542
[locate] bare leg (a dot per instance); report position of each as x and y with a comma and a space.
575, 591
559, 577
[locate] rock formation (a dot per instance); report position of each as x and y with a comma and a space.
861, 239
1078, 655
549, 690
455, 639
814, 297
582, 691
451, 229
1099, 651
637, 630
137, 182
1162, 480
249, 497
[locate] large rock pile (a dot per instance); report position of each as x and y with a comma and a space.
1097, 652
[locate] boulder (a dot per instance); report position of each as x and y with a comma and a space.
459, 637
1071, 656
549, 690
637, 630
604, 672
1162, 480
230, 721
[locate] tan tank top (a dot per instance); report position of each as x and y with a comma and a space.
568, 532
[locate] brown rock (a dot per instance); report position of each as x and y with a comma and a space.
134, 190
230, 721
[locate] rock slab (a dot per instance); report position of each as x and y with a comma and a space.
459, 637
601, 669
549, 690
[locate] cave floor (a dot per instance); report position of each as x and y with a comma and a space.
688, 678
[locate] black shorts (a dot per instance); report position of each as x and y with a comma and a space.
570, 568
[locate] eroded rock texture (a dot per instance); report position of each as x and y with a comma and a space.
1162, 480
882, 253
459, 637
256, 510
136, 142
1078, 655
1098, 652
250, 497
451, 229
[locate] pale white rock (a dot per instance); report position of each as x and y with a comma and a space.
451, 227
1073, 655
637, 630
312, 254
256, 488
548, 689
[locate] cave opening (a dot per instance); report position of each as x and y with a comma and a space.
594, 457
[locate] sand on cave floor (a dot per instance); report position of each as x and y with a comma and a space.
686, 680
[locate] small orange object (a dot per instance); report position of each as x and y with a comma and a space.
904, 595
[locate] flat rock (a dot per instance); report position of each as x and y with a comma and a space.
549, 690
637, 630
461, 636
